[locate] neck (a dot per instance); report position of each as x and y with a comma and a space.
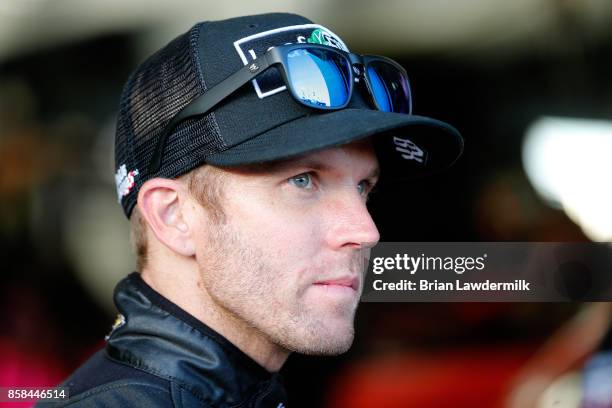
180, 283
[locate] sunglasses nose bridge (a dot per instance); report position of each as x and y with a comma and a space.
357, 66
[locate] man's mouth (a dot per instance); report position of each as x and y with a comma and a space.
351, 282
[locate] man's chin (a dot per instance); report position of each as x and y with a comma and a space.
329, 342
328, 350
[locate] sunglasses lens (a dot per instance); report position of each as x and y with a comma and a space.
319, 78
389, 87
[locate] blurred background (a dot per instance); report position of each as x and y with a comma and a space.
528, 84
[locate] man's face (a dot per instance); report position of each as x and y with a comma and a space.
288, 257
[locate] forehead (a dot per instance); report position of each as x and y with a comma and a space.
359, 154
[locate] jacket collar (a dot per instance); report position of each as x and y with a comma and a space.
157, 336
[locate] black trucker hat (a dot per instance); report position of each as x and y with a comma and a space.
261, 121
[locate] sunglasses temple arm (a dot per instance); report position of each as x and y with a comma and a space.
205, 102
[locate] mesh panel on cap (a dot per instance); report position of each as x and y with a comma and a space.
160, 87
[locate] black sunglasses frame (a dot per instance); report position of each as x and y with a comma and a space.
357, 69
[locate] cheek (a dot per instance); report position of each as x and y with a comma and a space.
281, 229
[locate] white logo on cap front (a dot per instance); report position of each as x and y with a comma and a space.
250, 47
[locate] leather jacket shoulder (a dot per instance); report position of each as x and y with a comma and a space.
158, 355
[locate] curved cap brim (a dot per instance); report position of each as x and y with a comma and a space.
407, 145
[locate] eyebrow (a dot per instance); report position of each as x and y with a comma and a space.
313, 163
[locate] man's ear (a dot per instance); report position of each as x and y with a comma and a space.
161, 203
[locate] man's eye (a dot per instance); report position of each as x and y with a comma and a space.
363, 187
303, 180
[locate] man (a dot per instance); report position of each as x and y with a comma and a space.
245, 152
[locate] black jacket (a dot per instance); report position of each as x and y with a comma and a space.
158, 355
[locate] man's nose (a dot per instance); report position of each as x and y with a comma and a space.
351, 224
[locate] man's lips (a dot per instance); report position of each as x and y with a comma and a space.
347, 281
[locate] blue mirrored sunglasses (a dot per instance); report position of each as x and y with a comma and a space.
317, 76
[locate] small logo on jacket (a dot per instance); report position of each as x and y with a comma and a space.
119, 321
